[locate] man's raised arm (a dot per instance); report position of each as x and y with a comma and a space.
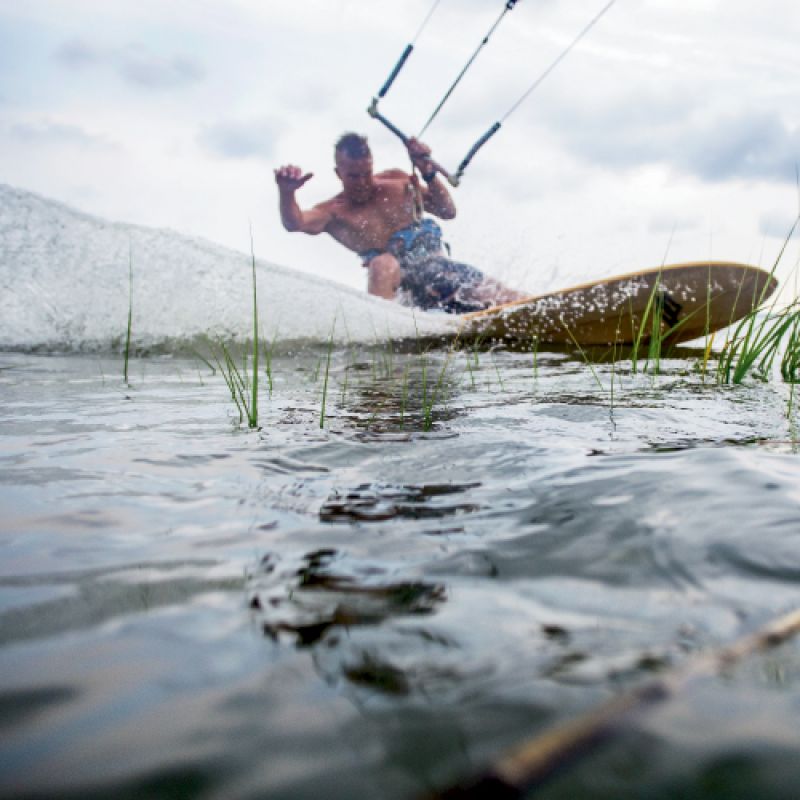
289, 180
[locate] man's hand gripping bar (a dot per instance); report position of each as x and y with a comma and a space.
453, 180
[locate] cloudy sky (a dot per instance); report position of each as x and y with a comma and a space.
674, 128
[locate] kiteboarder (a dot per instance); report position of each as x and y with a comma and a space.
380, 217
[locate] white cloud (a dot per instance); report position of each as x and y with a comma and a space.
252, 138
49, 133
138, 66
776, 224
671, 112
135, 63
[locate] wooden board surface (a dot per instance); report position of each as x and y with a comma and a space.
687, 300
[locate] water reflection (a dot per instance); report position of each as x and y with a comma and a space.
378, 502
324, 589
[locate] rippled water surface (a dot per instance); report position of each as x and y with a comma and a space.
471, 550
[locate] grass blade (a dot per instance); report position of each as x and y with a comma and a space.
130, 313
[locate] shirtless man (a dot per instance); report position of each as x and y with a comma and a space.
379, 216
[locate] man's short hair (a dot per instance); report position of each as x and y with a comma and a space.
352, 145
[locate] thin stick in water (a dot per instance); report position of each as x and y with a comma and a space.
531, 764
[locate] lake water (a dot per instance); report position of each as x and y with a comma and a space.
471, 550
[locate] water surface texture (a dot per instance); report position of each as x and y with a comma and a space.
472, 549
417, 560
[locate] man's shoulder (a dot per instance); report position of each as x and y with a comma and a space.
393, 174
329, 206
331, 201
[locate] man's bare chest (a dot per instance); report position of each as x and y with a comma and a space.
390, 206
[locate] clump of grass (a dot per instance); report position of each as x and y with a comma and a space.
655, 344
756, 339
242, 385
237, 380
790, 362
430, 397
756, 343
429, 401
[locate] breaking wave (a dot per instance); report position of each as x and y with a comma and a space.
64, 286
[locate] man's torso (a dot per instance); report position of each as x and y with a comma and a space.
369, 226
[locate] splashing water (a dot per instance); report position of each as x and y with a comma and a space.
64, 285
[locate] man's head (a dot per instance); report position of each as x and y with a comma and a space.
354, 167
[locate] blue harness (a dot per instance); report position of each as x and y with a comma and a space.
415, 243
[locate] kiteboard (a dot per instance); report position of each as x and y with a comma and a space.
678, 303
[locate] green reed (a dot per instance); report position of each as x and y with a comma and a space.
497, 371
535, 353
327, 373
242, 382
423, 363
655, 342
267, 352
345, 381
650, 319
431, 394
709, 342
198, 355
586, 359
252, 416
430, 403
228, 370
470, 370
130, 314
404, 395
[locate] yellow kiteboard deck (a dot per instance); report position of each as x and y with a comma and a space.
686, 301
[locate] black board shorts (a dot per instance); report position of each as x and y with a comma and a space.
438, 283
431, 280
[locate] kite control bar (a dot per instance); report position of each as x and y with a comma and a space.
453, 180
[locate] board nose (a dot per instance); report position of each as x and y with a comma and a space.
766, 284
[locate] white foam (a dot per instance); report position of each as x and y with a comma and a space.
64, 286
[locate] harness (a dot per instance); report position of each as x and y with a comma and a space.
413, 245
417, 242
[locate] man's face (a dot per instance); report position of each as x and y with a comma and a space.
356, 177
